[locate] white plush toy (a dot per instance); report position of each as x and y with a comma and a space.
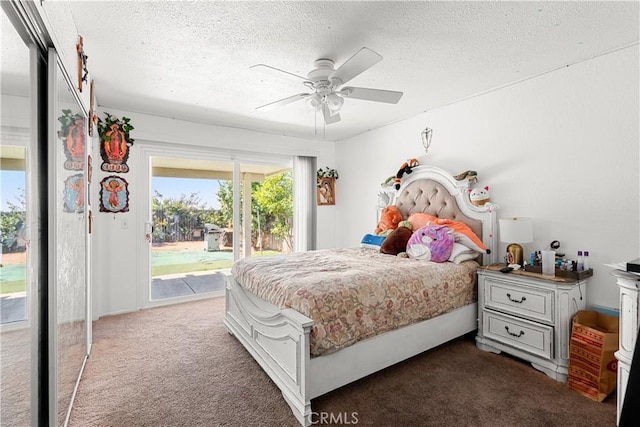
479, 196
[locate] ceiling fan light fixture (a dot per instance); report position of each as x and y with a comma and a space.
335, 101
314, 102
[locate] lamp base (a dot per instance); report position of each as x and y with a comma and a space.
515, 254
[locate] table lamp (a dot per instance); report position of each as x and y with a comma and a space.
515, 231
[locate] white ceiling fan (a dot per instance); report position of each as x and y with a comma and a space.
324, 82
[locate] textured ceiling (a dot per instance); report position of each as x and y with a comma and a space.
190, 60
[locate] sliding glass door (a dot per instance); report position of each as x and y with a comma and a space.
191, 226
18, 327
205, 209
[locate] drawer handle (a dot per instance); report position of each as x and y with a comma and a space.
515, 300
512, 334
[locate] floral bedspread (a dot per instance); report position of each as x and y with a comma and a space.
355, 293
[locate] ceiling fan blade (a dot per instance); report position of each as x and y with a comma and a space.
288, 100
328, 117
378, 95
362, 60
275, 71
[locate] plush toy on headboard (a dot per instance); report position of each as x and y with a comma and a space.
479, 196
431, 243
406, 167
390, 217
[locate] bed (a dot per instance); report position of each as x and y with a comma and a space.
289, 346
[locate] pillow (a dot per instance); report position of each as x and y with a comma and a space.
431, 243
462, 233
461, 253
396, 241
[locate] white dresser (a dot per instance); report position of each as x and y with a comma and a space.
529, 316
629, 310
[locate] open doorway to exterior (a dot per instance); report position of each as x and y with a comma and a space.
192, 221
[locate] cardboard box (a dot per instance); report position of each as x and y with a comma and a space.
592, 364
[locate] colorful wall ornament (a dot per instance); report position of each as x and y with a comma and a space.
74, 191
72, 135
114, 194
114, 143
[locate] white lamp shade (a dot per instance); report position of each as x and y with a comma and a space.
516, 230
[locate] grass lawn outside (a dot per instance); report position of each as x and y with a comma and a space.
13, 286
13, 273
162, 269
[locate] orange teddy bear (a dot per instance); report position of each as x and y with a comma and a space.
390, 217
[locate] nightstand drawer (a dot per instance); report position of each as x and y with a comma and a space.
519, 333
526, 301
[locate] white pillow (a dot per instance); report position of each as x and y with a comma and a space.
461, 253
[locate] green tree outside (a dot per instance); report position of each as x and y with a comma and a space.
12, 224
272, 205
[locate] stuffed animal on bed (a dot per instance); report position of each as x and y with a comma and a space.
462, 233
396, 242
431, 243
389, 219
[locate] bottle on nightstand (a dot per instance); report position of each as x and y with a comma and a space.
585, 261
580, 262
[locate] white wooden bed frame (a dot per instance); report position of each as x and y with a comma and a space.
278, 339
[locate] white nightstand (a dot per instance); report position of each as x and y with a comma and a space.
629, 284
528, 315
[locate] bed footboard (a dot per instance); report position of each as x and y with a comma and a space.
277, 339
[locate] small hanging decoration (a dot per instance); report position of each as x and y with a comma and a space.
74, 194
114, 194
72, 134
93, 117
115, 143
426, 139
82, 64
326, 183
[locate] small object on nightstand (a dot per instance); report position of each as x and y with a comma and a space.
506, 269
515, 231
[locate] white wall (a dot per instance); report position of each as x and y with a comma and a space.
116, 251
562, 148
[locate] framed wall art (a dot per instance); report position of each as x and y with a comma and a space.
326, 191
326, 186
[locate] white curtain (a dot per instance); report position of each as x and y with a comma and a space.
304, 203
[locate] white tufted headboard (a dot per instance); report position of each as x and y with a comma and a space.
434, 191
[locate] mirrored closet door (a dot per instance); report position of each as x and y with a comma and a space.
67, 241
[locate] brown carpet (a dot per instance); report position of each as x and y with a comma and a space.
177, 366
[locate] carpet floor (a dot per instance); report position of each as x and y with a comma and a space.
177, 366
